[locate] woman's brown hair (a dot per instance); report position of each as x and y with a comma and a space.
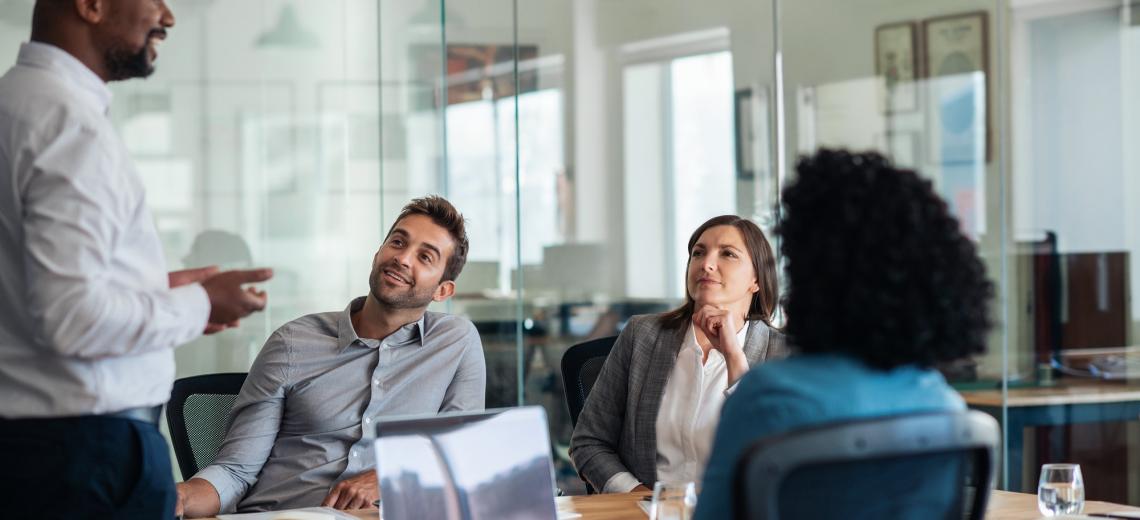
763, 304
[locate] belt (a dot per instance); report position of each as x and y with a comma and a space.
147, 414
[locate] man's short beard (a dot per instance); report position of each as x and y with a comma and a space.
124, 64
406, 300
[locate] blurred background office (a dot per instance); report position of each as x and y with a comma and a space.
584, 139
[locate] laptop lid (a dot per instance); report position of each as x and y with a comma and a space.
466, 466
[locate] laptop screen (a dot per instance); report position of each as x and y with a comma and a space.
466, 466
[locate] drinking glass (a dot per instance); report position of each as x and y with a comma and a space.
1061, 490
673, 501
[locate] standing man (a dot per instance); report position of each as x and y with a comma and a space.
88, 315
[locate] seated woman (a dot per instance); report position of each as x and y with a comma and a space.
653, 410
881, 286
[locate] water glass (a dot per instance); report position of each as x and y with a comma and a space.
673, 501
1061, 490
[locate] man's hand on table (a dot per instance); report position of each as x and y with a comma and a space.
197, 498
357, 492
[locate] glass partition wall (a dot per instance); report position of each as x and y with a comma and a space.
1073, 243
1023, 116
586, 139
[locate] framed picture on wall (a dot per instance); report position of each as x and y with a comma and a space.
896, 61
955, 44
955, 55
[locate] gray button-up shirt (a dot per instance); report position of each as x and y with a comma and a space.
301, 421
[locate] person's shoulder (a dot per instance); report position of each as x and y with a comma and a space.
309, 326
647, 322
442, 321
449, 328
842, 382
792, 374
775, 396
923, 388
42, 104
775, 336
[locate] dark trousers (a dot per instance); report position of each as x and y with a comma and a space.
84, 467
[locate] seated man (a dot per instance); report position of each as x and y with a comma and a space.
294, 438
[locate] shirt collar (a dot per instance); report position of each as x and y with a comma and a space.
410, 334
49, 57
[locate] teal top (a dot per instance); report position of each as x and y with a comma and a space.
809, 390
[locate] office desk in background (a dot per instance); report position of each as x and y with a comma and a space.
1004, 505
1066, 403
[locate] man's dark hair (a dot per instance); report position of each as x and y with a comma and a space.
440, 211
763, 265
877, 268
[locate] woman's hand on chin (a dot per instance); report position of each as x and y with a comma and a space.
720, 327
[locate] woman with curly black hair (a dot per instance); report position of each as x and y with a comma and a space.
881, 286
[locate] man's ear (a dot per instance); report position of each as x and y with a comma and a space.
92, 11
444, 291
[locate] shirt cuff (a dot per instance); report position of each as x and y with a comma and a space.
228, 492
623, 482
194, 299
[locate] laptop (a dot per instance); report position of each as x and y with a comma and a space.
466, 466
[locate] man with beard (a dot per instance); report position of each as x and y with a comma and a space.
295, 434
88, 314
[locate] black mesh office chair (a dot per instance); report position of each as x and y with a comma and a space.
580, 367
937, 465
196, 415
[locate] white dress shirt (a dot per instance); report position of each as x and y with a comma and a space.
689, 413
87, 318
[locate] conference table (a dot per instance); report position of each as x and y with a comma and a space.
1004, 505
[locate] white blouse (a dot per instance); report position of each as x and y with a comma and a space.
687, 419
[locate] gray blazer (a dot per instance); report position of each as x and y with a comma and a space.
617, 430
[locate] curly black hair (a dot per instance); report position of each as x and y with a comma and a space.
877, 268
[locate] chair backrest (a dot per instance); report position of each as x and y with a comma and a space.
196, 415
580, 367
931, 465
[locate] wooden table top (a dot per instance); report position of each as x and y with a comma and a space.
614, 506
1063, 393
1004, 505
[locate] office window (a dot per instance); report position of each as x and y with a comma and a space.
679, 158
